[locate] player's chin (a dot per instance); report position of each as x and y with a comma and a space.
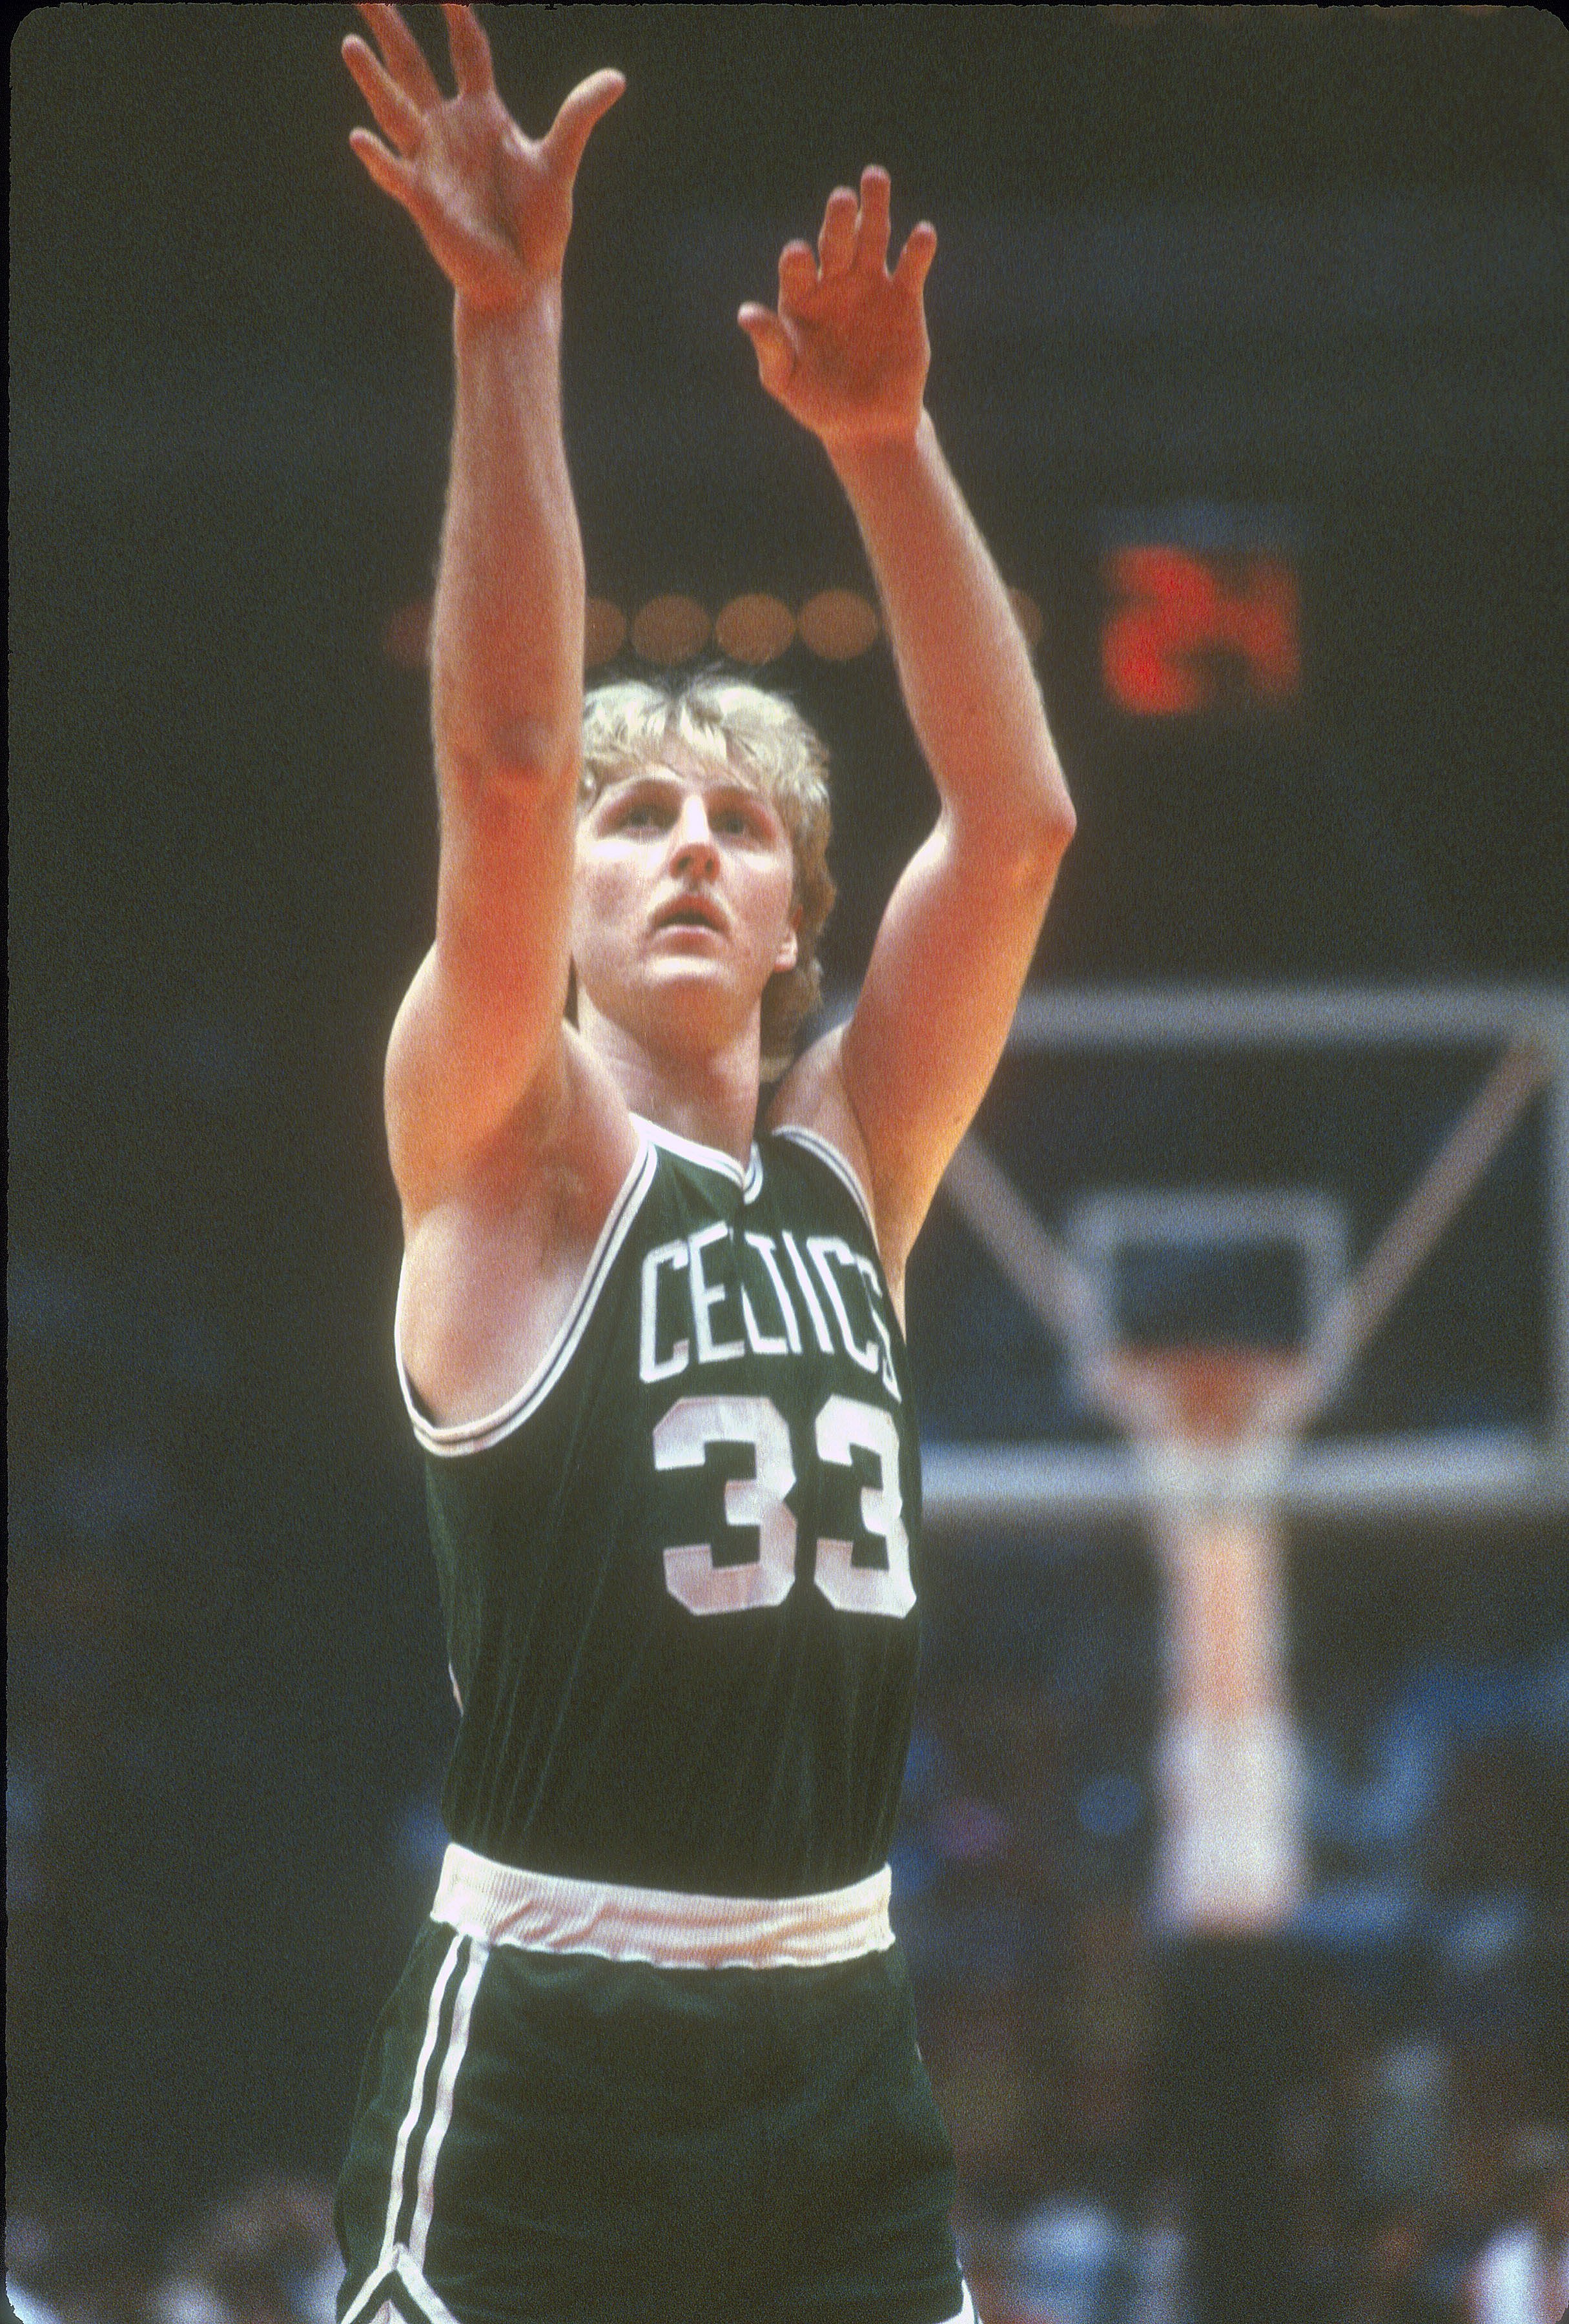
699, 957
699, 993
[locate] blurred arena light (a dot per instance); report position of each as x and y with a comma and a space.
838, 624
755, 628
604, 631
670, 628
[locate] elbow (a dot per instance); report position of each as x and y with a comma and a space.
1018, 846
492, 745
481, 759
1058, 824
1041, 841
1011, 826
1053, 820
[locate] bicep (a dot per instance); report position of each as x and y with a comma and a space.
933, 1016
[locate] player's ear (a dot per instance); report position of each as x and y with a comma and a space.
789, 943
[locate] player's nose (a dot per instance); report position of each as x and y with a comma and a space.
692, 837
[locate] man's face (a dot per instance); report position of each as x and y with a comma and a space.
682, 902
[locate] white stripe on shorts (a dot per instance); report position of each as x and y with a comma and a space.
417, 2098
446, 2089
425, 2302
499, 1905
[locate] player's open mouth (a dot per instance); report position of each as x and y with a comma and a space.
689, 913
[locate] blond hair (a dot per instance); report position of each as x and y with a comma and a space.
763, 739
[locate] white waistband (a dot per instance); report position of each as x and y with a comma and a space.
543, 1913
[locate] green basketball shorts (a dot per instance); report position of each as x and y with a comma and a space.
569, 2131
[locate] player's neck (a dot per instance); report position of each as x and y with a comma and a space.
710, 1096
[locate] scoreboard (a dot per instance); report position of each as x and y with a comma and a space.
1186, 632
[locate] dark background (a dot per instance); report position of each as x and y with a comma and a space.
1310, 262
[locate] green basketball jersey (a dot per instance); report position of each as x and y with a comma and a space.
678, 1568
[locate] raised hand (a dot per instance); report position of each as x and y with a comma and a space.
846, 353
494, 208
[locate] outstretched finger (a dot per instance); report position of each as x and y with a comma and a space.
836, 242
797, 273
405, 59
915, 260
776, 356
397, 118
571, 131
872, 240
393, 177
466, 39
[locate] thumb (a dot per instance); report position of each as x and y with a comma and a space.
569, 132
776, 358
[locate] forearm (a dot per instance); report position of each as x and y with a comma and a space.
962, 663
507, 629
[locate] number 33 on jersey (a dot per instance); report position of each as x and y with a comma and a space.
758, 1504
725, 1297
728, 1300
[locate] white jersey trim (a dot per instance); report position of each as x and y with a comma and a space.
707, 1157
839, 1164
454, 1438
539, 1912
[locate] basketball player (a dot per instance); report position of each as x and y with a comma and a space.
653, 2055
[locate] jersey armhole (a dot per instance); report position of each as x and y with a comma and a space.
838, 1162
450, 1440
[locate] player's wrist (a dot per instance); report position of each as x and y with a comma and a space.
867, 453
528, 310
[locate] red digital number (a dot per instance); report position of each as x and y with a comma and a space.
1186, 633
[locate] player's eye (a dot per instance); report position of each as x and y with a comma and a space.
640, 815
743, 818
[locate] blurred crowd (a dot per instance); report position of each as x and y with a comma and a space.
268, 2256
1488, 2245
1494, 2250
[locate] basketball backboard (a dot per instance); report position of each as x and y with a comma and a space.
1375, 1182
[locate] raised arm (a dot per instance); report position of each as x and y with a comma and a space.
478, 1040
845, 354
